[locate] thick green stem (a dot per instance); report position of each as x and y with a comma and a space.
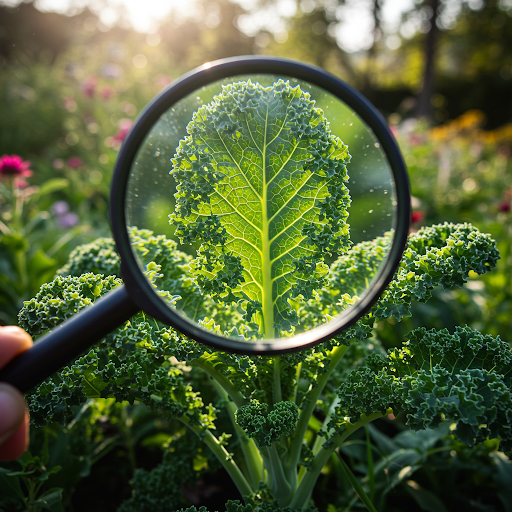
252, 456
222, 380
222, 455
279, 485
306, 413
319, 440
297, 380
308, 482
278, 396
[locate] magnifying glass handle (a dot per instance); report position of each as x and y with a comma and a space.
68, 340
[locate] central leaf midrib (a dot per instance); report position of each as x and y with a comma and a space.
267, 299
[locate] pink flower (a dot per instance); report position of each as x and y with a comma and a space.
504, 206
416, 217
89, 87
75, 162
124, 128
415, 139
163, 81
106, 92
14, 166
20, 183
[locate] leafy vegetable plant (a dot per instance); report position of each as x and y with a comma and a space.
288, 414
274, 423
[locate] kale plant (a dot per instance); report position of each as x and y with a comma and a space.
273, 451
273, 423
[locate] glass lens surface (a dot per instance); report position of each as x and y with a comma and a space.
261, 207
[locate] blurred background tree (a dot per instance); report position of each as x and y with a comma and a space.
421, 58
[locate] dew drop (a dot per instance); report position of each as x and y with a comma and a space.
157, 152
370, 211
377, 145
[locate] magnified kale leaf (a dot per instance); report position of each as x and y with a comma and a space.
261, 187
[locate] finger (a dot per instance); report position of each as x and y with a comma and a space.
13, 422
16, 445
13, 341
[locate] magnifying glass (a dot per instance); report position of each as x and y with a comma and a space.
283, 201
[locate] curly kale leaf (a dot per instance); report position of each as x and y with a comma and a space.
98, 257
163, 263
464, 378
261, 186
61, 299
264, 427
131, 363
367, 389
440, 255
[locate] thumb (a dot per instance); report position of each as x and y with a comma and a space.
13, 422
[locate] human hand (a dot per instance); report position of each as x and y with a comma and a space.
14, 418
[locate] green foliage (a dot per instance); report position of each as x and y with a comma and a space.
441, 255
30, 242
265, 427
161, 489
461, 173
461, 378
236, 506
46, 477
271, 403
98, 257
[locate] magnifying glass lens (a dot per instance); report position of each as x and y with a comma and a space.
277, 204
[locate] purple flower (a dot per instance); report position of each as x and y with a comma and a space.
68, 220
111, 70
60, 208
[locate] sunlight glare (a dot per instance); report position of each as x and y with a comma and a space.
144, 16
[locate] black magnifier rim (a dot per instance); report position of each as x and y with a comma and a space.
139, 287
